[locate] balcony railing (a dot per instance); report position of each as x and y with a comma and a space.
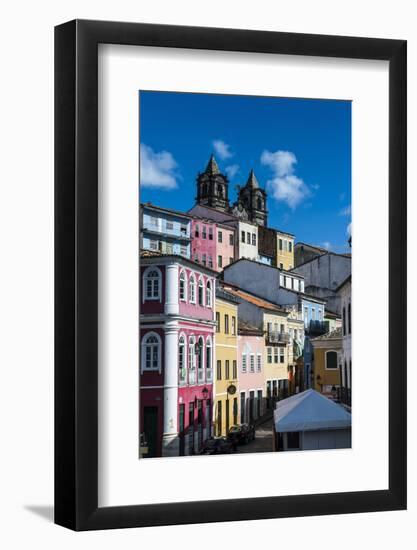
182, 377
277, 337
200, 376
191, 376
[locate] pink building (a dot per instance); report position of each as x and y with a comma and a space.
176, 354
212, 243
251, 349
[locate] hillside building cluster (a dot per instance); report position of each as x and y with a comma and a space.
235, 316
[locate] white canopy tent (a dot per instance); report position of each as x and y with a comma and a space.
309, 411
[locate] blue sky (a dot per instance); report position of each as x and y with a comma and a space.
300, 150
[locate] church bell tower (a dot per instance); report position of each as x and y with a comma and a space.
213, 187
253, 200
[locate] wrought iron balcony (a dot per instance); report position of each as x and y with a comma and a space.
277, 337
209, 375
200, 375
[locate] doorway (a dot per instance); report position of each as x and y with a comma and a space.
150, 427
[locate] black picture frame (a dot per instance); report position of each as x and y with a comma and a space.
76, 271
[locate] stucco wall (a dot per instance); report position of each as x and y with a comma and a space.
326, 271
327, 439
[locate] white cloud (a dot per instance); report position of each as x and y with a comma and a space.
157, 170
346, 211
232, 170
222, 149
349, 229
327, 245
285, 186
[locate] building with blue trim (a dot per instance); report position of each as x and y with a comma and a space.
164, 230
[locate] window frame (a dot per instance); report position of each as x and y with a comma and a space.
244, 363
259, 362
183, 274
209, 295
226, 323
333, 369
145, 276
201, 290
192, 289
144, 346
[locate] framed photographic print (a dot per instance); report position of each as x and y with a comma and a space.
230, 275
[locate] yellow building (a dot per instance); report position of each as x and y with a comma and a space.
277, 341
285, 250
226, 387
295, 350
327, 351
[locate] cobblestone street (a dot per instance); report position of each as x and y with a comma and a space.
263, 440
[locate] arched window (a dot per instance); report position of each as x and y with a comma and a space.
183, 286
200, 292
331, 360
220, 189
260, 203
205, 189
208, 294
191, 353
209, 358
200, 353
192, 289
151, 352
182, 360
152, 284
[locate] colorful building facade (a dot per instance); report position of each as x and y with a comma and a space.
295, 350
251, 364
285, 250
165, 231
327, 349
345, 293
226, 379
177, 353
212, 244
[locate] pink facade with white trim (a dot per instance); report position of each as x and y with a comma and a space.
176, 354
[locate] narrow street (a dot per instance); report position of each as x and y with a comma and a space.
262, 442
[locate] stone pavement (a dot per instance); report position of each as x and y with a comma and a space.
262, 442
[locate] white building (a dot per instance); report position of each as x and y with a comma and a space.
308, 421
344, 291
271, 283
247, 240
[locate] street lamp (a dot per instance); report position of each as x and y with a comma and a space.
204, 391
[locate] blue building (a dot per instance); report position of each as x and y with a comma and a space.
164, 230
314, 325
